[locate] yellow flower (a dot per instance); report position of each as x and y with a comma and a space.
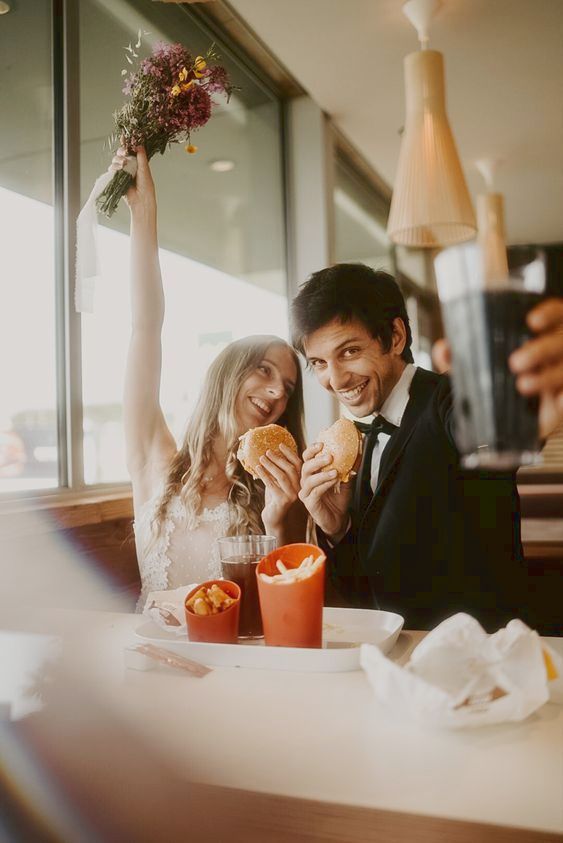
183, 75
199, 66
191, 148
550, 668
175, 90
187, 85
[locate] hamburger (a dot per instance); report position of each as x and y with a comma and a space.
256, 441
343, 441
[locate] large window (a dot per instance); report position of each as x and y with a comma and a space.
360, 220
28, 397
221, 232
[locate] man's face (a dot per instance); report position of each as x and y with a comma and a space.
349, 362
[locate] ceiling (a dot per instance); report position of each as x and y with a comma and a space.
504, 87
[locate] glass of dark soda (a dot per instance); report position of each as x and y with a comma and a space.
239, 557
496, 427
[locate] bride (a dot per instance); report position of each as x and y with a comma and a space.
185, 497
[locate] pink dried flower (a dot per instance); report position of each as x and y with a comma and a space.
169, 98
217, 79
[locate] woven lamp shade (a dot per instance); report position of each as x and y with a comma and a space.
431, 206
491, 237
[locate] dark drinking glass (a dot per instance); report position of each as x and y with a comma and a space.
496, 426
239, 557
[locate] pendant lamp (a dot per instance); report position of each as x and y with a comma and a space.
430, 206
490, 225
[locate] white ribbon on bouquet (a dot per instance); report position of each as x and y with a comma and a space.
87, 260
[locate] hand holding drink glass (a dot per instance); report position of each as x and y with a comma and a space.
485, 320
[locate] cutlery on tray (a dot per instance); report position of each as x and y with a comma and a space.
173, 660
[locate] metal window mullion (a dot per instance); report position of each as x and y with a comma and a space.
57, 51
309, 161
67, 205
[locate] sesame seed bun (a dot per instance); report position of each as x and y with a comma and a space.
343, 441
255, 442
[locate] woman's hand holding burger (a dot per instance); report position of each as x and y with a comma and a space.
270, 454
280, 471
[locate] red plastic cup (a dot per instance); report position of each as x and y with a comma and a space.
221, 628
292, 612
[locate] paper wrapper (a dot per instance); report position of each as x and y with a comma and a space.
166, 608
459, 676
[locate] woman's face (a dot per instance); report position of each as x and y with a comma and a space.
263, 395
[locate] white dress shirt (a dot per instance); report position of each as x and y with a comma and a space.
392, 410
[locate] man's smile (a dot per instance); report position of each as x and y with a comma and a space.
353, 393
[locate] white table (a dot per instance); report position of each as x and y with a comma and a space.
323, 737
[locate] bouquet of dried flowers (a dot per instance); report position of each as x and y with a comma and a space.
170, 96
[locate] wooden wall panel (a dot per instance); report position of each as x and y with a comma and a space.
109, 546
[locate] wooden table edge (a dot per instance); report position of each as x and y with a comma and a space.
274, 817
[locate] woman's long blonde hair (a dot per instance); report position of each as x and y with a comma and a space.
214, 415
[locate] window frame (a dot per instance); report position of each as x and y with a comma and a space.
65, 98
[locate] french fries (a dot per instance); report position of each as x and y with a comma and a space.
209, 601
288, 575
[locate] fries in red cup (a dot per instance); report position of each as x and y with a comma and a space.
212, 612
291, 592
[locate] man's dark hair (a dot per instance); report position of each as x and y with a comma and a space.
348, 291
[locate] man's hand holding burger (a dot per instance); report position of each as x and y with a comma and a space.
327, 466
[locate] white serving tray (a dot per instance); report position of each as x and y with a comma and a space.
344, 630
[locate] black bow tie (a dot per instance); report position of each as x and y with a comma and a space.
378, 425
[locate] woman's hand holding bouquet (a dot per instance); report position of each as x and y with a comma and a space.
169, 98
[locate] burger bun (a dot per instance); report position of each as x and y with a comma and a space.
256, 441
343, 442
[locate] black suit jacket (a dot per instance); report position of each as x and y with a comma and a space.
434, 539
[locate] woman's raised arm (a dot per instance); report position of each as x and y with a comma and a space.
149, 443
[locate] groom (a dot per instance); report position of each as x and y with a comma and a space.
415, 534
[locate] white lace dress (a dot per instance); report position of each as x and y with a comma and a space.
178, 556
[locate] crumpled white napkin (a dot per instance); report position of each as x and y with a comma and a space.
166, 608
460, 676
